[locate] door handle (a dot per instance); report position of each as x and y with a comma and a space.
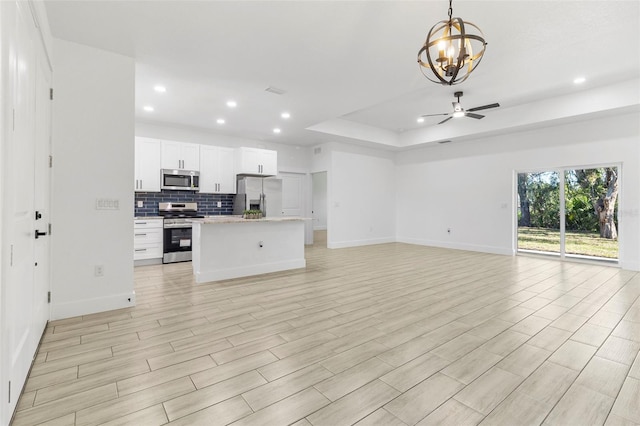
39, 234
38, 215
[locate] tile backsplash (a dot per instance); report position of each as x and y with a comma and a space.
207, 203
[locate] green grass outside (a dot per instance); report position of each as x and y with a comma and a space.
582, 243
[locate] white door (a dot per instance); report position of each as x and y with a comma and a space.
42, 193
18, 334
25, 146
292, 194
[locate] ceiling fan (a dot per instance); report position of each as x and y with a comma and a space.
458, 111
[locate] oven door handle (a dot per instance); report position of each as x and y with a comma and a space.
178, 226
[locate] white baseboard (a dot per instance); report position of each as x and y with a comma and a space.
245, 271
92, 306
457, 246
358, 243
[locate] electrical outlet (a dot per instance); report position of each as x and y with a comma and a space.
219, 204
98, 270
140, 204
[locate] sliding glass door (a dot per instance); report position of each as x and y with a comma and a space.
569, 212
539, 212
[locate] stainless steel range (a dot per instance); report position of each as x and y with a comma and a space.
177, 230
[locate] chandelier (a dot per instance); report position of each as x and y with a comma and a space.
448, 52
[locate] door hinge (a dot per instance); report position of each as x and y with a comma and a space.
49, 297
51, 93
50, 161
49, 229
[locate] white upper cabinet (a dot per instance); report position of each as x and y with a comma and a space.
147, 165
217, 170
256, 162
179, 155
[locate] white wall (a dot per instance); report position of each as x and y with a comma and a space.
361, 197
93, 151
469, 186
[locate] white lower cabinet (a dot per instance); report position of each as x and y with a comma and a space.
147, 239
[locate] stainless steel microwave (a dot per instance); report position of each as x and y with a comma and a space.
185, 180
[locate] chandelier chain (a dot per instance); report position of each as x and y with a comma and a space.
450, 9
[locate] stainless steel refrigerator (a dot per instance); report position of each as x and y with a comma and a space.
256, 193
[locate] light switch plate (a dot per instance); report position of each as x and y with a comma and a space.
107, 204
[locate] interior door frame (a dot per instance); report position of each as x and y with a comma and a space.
562, 206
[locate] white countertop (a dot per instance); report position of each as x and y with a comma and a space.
239, 219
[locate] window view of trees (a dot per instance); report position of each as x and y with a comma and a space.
591, 201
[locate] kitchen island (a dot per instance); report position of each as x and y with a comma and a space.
227, 247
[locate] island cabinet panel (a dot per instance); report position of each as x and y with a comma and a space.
239, 248
217, 170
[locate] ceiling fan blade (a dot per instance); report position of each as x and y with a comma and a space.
496, 105
434, 115
472, 115
445, 120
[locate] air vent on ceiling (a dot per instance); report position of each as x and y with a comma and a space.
275, 90
317, 150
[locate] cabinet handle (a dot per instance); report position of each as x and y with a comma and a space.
140, 249
140, 183
141, 223
140, 235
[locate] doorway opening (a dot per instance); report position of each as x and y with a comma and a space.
319, 208
570, 212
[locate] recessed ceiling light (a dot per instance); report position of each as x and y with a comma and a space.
220, 121
276, 130
285, 115
579, 80
160, 89
232, 104
148, 108
420, 120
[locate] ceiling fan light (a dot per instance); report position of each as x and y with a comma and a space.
458, 114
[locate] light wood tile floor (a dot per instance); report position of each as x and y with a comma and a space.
391, 334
